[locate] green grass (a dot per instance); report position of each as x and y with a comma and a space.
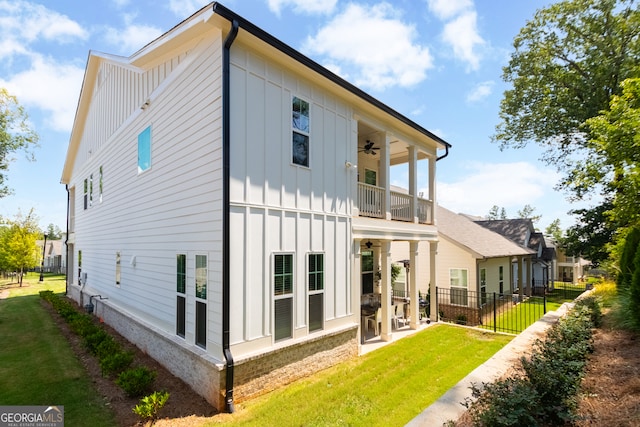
389, 386
37, 365
523, 315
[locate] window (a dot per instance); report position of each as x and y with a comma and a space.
300, 135
79, 266
283, 296
459, 285
501, 278
181, 301
91, 190
366, 260
86, 194
370, 177
118, 272
144, 150
100, 185
316, 291
201, 306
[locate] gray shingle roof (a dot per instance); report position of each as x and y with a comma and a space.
478, 239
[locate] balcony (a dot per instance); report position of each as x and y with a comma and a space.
371, 203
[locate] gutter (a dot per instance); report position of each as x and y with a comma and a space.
66, 246
446, 153
226, 233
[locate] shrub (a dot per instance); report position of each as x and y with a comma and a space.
94, 339
83, 325
136, 381
149, 406
115, 363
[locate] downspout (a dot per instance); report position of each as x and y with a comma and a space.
446, 153
66, 246
226, 235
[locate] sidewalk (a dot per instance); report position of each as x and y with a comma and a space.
449, 407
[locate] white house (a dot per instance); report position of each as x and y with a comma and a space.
230, 204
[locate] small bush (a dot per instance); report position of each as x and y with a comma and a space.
83, 325
136, 381
504, 403
149, 406
93, 340
107, 347
115, 363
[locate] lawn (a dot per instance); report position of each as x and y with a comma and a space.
389, 386
37, 365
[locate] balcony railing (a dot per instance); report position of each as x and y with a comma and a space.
371, 204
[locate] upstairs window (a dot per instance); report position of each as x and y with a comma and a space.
300, 134
86, 194
144, 150
91, 190
100, 185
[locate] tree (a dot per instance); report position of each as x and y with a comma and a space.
554, 230
568, 62
497, 213
591, 234
53, 232
627, 257
527, 212
15, 135
18, 249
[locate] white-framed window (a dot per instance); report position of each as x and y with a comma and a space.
501, 279
91, 190
483, 286
459, 285
202, 273
181, 298
315, 270
144, 150
100, 185
86, 194
370, 177
283, 296
366, 270
300, 132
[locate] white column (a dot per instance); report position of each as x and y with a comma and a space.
385, 175
385, 298
413, 284
413, 182
433, 298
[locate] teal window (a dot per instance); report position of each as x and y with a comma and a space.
144, 150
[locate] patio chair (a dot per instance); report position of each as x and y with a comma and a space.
377, 319
397, 318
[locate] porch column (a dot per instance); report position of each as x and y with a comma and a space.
521, 277
385, 175
385, 298
413, 183
432, 188
433, 298
413, 284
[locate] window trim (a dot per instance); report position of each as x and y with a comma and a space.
465, 288
315, 292
283, 296
306, 134
145, 141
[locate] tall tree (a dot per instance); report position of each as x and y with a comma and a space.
527, 212
53, 232
15, 135
554, 230
497, 213
18, 248
568, 62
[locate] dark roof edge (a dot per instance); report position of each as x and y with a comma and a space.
288, 50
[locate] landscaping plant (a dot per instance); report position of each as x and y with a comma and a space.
149, 406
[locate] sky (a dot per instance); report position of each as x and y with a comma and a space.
438, 62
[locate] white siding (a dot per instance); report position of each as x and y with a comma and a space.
174, 207
280, 207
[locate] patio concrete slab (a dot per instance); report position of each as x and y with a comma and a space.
449, 407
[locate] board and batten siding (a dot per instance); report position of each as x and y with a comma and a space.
174, 207
279, 207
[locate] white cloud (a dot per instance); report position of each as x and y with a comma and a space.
131, 38
480, 91
373, 45
446, 9
303, 6
50, 86
462, 35
23, 23
185, 8
508, 185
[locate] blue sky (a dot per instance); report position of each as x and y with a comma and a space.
439, 62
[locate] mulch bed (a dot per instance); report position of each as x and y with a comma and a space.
184, 407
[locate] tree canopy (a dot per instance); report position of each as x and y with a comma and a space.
15, 135
18, 249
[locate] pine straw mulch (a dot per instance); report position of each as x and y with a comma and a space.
610, 390
184, 407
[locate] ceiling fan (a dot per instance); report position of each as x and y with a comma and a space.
369, 148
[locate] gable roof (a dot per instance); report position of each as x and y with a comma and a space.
480, 240
516, 230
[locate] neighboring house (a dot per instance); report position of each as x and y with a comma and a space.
535, 269
566, 268
230, 206
473, 260
55, 256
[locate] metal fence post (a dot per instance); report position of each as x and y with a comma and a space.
495, 317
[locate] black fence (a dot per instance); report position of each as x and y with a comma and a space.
493, 311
